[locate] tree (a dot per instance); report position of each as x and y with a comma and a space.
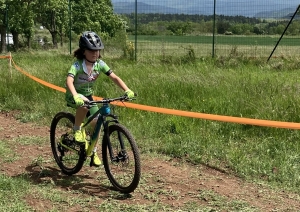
52, 14
95, 15
179, 27
3, 23
239, 29
222, 26
21, 20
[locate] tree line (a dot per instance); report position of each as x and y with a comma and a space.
183, 24
59, 17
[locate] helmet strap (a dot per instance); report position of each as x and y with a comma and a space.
89, 60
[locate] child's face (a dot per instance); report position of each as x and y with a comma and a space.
92, 55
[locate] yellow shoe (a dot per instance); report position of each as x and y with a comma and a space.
96, 160
83, 132
78, 136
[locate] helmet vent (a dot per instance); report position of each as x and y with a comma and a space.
90, 40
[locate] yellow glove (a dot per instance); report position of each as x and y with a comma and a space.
129, 93
78, 100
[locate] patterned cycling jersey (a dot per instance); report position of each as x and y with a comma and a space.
84, 82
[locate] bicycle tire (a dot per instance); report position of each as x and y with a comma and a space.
120, 180
70, 162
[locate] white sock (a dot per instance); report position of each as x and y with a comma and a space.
76, 128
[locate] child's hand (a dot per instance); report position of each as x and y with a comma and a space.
78, 100
129, 93
85, 99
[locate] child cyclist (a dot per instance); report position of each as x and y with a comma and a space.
81, 78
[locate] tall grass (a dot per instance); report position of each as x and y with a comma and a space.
231, 86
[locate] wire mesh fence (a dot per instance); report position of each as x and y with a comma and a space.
212, 27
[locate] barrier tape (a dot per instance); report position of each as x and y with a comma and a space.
231, 119
4, 57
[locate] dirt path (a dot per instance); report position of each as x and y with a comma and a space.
164, 180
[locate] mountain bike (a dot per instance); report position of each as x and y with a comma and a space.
120, 153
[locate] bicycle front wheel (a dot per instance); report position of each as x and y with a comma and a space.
121, 158
68, 155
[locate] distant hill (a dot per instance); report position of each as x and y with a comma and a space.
125, 8
284, 13
254, 8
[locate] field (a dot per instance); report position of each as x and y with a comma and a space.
247, 46
188, 163
223, 39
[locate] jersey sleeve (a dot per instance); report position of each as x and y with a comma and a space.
74, 69
102, 67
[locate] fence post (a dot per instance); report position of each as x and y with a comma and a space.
214, 26
135, 37
70, 27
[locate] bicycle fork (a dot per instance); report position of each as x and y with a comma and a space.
121, 155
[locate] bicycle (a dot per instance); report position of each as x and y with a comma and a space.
120, 154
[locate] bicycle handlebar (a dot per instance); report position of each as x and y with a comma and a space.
123, 98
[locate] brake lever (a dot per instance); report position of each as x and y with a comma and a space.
129, 99
88, 104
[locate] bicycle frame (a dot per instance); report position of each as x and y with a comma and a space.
102, 114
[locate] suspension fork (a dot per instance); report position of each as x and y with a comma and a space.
120, 138
107, 138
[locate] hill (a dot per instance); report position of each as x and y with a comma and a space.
260, 9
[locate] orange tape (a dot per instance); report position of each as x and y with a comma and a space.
3, 57
238, 120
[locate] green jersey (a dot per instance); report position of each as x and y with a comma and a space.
84, 82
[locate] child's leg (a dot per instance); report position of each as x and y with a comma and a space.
95, 159
79, 117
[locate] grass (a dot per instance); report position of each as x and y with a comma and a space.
10, 187
247, 91
230, 86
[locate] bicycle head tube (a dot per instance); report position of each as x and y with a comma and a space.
105, 109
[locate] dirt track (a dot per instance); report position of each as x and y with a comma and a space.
168, 181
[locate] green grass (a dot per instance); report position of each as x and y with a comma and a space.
12, 187
230, 86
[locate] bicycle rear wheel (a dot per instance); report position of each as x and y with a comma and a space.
122, 164
68, 155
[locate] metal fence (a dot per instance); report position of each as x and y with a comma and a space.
212, 27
